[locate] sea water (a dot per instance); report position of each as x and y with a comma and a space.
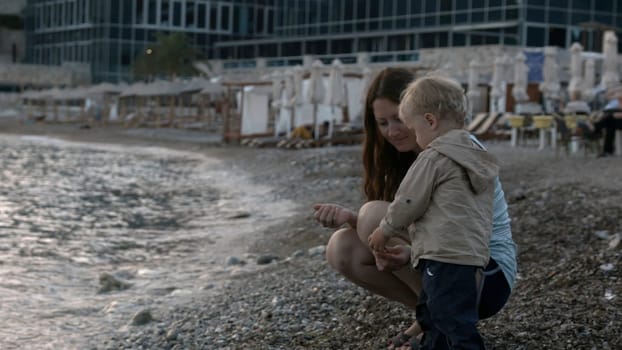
161, 220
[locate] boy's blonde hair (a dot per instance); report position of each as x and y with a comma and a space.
435, 94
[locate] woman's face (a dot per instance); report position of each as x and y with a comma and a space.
391, 127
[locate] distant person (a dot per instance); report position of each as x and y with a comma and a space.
576, 105
302, 132
389, 149
610, 122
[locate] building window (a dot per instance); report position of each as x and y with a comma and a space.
201, 13
559, 3
447, 5
341, 46
164, 12
511, 14
495, 15
387, 9
557, 17
478, 4
430, 6
461, 18
399, 42
317, 47
535, 36
401, 7
190, 20
428, 40
582, 4
477, 16
374, 9
260, 21
604, 6
177, 15
139, 11
291, 49
557, 37
270, 23
268, 50
458, 39
603, 18
213, 17
69, 17
225, 12
152, 12
477, 40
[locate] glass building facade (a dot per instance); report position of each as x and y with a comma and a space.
110, 34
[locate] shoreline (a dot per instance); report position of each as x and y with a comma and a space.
560, 206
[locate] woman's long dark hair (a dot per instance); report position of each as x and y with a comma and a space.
384, 166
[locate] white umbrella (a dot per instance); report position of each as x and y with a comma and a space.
519, 91
576, 74
336, 95
315, 93
496, 84
289, 100
472, 82
289, 89
550, 85
611, 77
297, 80
589, 79
277, 88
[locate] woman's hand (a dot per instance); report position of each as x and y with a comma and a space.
392, 258
333, 215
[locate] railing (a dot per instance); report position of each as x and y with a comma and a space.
398, 57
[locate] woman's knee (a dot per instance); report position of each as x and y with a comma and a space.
369, 217
341, 250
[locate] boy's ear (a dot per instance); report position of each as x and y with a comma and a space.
431, 120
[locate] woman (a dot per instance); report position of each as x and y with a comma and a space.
389, 149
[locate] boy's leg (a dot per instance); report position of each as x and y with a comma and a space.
450, 310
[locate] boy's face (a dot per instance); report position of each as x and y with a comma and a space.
423, 126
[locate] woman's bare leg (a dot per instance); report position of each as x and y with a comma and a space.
347, 252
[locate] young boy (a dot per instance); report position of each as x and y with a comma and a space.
445, 204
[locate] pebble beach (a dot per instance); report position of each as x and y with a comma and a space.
275, 290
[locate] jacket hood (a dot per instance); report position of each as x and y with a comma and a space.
481, 166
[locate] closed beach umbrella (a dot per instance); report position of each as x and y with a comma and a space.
290, 90
336, 93
589, 79
519, 91
298, 78
496, 84
277, 88
611, 77
576, 73
497, 76
290, 99
550, 85
315, 93
473, 80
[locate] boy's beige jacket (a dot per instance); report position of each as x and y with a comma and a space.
445, 202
